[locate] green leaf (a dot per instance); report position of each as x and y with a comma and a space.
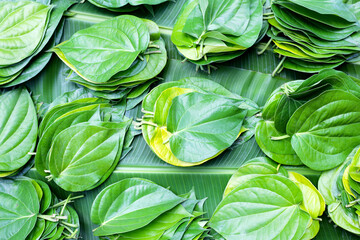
18, 129
46, 198
82, 114
311, 231
156, 228
248, 171
330, 7
130, 204
164, 102
82, 154
19, 207
22, 30
340, 215
280, 150
262, 207
323, 31
202, 125
37, 231
121, 3
60, 108
309, 128
100, 51
285, 109
313, 202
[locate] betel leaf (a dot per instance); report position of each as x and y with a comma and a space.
271, 105
164, 102
82, 154
18, 129
279, 150
81, 114
329, 7
205, 31
23, 25
225, 16
64, 107
130, 204
324, 130
163, 151
120, 3
202, 125
19, 207
331, 188
156, 228
47, 196
99, 52
256, 167
314, 202
286, 107
264, 207
311, 231
37, 231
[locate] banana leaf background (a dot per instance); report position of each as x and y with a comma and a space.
248, 76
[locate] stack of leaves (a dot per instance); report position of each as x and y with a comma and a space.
191, 121
264, 201
313, 35
18, 130
82, 141
121, 54
125, 5
208, 31
28, 28
341, 190
29, 210
140, 209
315, 122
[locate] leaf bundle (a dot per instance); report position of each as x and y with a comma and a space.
208, 31
314, 35
136, 208
313, 122
31, 211
265, 201
28, 29
191, 121
116, 56
82, 141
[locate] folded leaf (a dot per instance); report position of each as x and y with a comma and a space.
130, 204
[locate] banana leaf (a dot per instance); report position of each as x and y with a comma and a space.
248, 75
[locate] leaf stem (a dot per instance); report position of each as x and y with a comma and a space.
278, 67
32, 153
147, 112
278, 167
332, 210
268, 13
63, 202
149, 123
352, 203
51, 218
154, 46
279, 137
265, 47
67, 228
151, 52
268, 17
70, 224
49, 178
166, 141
